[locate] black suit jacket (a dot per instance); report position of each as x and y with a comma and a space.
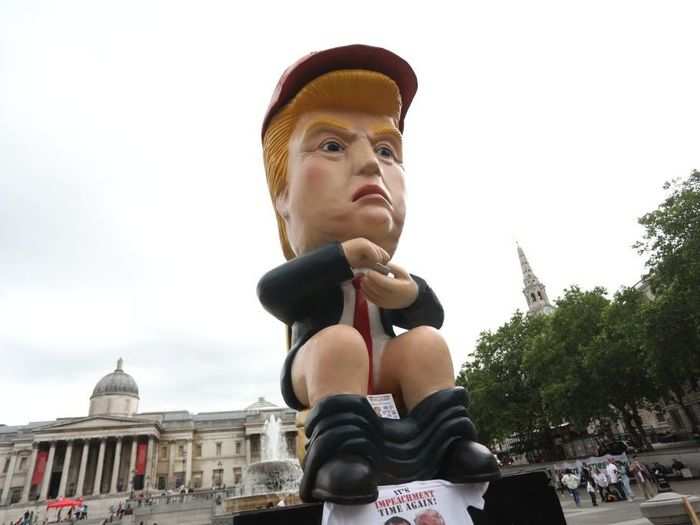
305, 294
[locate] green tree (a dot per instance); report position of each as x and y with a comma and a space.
616, 360
671, 243
558, 359
505, 401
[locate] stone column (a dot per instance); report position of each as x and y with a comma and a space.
247, 450
115, 467
66, 468
47, 472
148, 481
132, 463
83, 468
30, 474
188, 463
172, 450
8, 480
100, 465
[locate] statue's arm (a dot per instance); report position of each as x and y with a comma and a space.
425, 310
286, 291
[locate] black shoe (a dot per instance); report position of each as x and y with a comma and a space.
348, 480
468, 462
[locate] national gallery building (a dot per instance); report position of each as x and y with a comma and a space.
115, 449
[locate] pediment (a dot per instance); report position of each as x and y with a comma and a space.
97, 422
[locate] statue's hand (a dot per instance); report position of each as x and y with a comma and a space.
390, 293
362, 253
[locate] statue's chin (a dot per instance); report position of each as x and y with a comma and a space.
387, 238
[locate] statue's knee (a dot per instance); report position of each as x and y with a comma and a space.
428, 338
341, 344
426, 349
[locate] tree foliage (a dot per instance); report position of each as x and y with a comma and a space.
505, 397
559, 357
672, 245
594, 359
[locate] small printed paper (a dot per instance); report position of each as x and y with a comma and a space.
383, 405
419, 502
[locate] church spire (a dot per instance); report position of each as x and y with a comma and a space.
534, 291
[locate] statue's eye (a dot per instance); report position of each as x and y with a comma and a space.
386, 152
332, 146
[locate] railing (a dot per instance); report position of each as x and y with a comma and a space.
209, 495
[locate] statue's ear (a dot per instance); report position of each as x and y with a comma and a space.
282, 204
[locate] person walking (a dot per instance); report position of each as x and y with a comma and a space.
571, 482
642, 477
624, 476
590, 488
614, 477
601, 481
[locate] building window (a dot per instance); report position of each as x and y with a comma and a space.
291, 438
7, 466
255, 445
218, 448
181, 451
217, 477
22, 463
237, 475
196, 480
238, 448
161, 482
198, 450
164, 452
179, 480
15, 494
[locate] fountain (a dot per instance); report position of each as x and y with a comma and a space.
273, 480
277, 471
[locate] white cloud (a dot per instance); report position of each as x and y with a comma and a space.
134, 217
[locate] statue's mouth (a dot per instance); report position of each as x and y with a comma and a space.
371, 190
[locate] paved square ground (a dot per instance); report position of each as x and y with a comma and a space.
618, 513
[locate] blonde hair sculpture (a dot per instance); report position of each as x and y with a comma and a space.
355, 90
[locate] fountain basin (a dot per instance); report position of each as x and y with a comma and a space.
275, 475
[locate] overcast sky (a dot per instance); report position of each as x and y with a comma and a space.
134, 217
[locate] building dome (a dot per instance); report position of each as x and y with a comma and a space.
261, 404
116, 394
118, 382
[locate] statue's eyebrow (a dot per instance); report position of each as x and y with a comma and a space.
329, 125
388, 132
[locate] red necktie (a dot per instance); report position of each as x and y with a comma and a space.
361, 324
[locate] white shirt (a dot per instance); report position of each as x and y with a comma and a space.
570, 481
379, 336
408, 501
613, 473
601, 479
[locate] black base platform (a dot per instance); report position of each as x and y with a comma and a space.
523, 499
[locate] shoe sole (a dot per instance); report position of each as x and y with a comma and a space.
322, 495
478, 478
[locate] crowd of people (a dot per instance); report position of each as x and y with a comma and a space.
71, 515
27, 518
612, 483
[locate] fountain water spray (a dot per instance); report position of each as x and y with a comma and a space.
277, 472
274, 444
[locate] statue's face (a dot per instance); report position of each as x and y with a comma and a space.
344, 180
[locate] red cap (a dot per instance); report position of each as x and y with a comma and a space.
356, 56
